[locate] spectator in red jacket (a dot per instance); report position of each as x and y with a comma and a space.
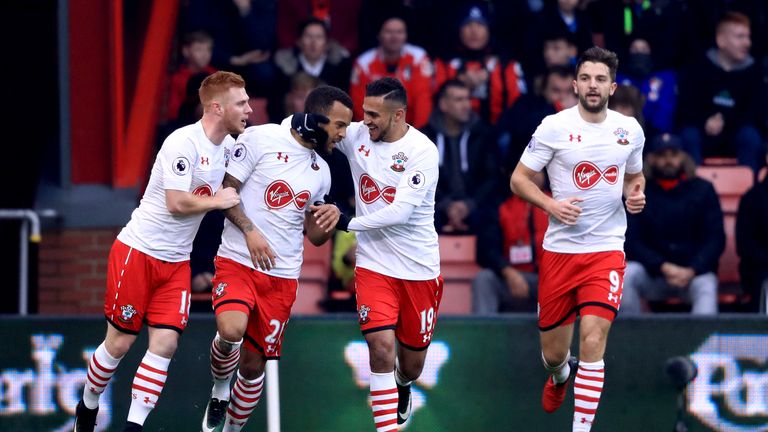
494, 86
395, 58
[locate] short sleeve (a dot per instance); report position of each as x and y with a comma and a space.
540, 151
245, 154
419, 177
635, 160
177, 158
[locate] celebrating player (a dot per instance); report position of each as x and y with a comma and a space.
593, 155
399, 287
148, 274
279, 175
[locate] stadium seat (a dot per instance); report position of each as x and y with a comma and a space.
259, 116
730, 182
720, 161
313, 281
458, 267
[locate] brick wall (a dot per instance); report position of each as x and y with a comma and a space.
73, 270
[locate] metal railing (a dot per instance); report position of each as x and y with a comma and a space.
29, 219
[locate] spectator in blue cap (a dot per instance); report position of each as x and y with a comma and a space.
673, 247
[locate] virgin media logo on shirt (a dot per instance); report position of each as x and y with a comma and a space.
203, 190
586, 175
370, 191
279, 194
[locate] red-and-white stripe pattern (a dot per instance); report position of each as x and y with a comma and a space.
100, 370
384, 401
243, 400
587, 389
223, 365
149, 380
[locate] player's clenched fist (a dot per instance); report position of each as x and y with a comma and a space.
635, 202
227, 197
566, 211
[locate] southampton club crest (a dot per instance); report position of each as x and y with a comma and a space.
400, 159
363, 312
126, 313
314, 165
622, 135
219, 291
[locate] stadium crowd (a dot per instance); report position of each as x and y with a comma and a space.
480, 76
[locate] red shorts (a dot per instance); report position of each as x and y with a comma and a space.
405, 306
141, 289
583, 284
267, 300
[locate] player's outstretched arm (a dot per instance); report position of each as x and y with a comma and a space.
186, 203
262, 255
522, 184
634, 185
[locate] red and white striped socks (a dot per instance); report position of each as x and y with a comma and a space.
225, 356
587, 389
245, 396
384, 401
148, 383
101, 367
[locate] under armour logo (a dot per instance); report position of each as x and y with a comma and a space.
280, 156
148, 401
612, 297
183, 321
584, 420
571, 138
364, 151
204, 160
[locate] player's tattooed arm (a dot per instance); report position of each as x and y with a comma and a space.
261, 253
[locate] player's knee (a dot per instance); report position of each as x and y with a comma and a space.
593, 341
554, 357
382, 356
164, 346
252, 367
118, 346
230, 332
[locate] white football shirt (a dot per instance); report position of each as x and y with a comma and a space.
405, 170
188, 161
588, 161
281, 178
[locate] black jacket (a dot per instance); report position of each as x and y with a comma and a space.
752, 237
683, 225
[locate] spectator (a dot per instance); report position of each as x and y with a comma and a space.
752, 244
674, 245
244, 37
509, 248
196, 51
293, 99
493, 85
565, 17
315, 54
628, 101
558, 49
341, 17
517, 124
466, 165
658, 87
395, 58
721, 99
615, 23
